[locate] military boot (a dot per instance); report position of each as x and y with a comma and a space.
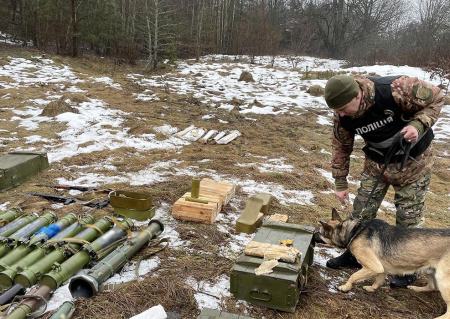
346, 260
402, 281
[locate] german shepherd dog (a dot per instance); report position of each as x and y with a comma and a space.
383, 250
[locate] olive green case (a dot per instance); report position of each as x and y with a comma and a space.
217, 314
280, 289
18, 167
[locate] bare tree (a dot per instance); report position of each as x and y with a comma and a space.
342, 24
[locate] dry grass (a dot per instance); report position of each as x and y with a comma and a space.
270, 137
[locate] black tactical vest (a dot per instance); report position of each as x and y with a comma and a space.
382, 121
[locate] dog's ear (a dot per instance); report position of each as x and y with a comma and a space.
325, 226
335, 215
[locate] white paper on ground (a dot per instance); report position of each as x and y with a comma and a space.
227, 139
220, 135
185, 131
156, 312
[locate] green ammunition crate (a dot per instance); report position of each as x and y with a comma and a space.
217, 314
280, 289
136, 214
267, 200
131, 200
18, 167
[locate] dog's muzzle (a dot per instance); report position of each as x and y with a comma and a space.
317, 239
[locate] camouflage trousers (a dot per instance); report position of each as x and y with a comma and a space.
410, 187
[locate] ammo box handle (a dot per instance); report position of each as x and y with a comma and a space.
254, 294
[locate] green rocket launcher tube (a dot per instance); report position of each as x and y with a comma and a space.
67, 269
29, 305
35, 242
10, 215
11, 228
65, 311
7, 275
24, 233
87, 285
31, 274
45, 233
75, 228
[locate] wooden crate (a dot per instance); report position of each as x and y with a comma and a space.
197, 212
215, 188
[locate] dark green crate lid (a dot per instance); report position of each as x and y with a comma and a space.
208, 313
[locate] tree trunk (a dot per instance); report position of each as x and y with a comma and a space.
156, 34
74, 30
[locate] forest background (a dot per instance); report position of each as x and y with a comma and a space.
363, 32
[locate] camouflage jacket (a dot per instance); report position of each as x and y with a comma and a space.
411, 95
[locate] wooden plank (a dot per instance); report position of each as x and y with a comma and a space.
193, 217
211, 198
225, 190
279, 218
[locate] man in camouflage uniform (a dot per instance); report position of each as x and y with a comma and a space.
380, 110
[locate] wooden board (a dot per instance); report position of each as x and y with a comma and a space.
211, 187
197, 212
279, 218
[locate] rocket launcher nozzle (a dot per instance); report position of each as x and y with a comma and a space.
87, 285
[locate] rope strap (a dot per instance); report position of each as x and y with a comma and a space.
121, 226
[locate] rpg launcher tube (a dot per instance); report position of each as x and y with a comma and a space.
87, 285
10, 215
45, 233
24, 233
67, 269
37, 240
65, 311
9, 295
11, 228
30, 305
30, 275
75, 228
10, 269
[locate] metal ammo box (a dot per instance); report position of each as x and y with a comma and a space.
17, 167
216, 314
280, 289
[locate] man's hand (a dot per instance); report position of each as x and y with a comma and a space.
342, 196
411, 134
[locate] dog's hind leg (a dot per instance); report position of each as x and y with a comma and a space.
431, 285
443, 284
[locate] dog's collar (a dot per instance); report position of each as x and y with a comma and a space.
356, 230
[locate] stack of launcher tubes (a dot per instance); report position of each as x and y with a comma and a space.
47, 252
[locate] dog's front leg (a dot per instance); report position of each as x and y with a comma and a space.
363, 274
379, 280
